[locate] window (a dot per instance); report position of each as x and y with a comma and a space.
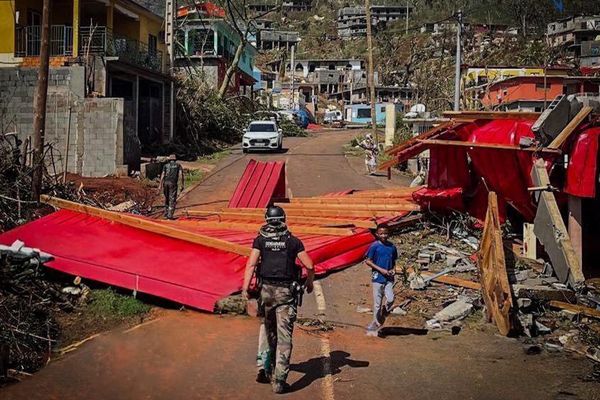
540, 86
152, 43
34, 18
382, 109
261, 128
363, 113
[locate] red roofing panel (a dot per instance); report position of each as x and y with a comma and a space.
177, 270
260, 183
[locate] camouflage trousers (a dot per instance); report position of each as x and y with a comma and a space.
280, 314
170, 192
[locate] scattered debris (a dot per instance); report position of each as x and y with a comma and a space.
458, 310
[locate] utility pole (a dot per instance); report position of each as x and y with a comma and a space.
170, 42
457, 62
41, 94
371, 80
293, 70
406, 32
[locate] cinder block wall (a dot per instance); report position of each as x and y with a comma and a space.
95, 131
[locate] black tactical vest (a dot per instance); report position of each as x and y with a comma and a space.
278, 260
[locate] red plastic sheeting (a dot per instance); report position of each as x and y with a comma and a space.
440, 199
180, 271
260, 182
583, 169
505, 172
448, 167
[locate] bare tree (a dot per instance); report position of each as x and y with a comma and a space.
244, 24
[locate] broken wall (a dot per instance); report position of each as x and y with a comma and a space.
93, 127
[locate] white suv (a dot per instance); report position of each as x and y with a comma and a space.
262, 135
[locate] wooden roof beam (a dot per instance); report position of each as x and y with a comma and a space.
148, 225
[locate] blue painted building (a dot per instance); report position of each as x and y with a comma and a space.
361, 113
210, 45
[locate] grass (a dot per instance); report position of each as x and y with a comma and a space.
191, 177
214, 157
108, 304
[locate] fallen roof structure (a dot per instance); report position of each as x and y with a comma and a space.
475, 153
200, 259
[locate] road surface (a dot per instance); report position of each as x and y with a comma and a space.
193, 355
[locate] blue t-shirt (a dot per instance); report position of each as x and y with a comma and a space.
384, 255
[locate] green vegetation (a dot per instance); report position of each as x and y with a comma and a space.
191, 177
214, 157
108, 304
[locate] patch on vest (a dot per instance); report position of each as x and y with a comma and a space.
275, 246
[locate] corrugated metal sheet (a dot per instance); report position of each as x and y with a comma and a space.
260, 182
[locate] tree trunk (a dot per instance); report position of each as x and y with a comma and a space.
231, 70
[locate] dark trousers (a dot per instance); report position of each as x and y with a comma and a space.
170, 192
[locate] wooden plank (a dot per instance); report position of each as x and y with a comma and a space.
351, 200
385, 195
529, 242
550, 229
404, 206
148, 225
587, 311
491, 146
254, 227
425, 135
453, 281
495, 288
492, 115
322, 221
297, 212
450, 280
570, 128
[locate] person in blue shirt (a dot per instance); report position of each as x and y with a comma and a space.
381, 258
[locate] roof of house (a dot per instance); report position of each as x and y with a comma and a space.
155, 6
548, 77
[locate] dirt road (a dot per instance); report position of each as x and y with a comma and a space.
191, 355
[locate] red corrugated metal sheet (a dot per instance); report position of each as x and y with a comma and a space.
184, 272
260, 182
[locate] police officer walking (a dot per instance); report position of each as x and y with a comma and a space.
274, 251
168, 183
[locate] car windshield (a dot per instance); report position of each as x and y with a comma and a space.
261, 128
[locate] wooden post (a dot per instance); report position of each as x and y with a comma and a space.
39, 118
529, 242
495, 288
75, 28
110, 15
575, 226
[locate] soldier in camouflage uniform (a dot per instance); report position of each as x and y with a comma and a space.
168, 183
279, 281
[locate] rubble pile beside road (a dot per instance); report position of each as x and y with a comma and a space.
548, 316
28, 330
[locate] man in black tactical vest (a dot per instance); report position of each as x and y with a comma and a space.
168, 183
279, 280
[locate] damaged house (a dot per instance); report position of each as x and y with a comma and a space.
107, 94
